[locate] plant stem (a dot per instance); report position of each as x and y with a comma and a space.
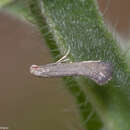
78, 25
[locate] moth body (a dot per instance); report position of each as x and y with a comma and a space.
100, 72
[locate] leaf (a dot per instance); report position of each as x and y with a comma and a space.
78, 25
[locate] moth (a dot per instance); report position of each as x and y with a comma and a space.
98, 71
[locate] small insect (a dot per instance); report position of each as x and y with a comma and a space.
98, 71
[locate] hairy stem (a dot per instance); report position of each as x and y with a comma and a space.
78, 25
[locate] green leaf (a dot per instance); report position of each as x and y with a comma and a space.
78, 25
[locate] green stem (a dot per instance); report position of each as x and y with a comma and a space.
77, 24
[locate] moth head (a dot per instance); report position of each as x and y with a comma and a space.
38, 70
